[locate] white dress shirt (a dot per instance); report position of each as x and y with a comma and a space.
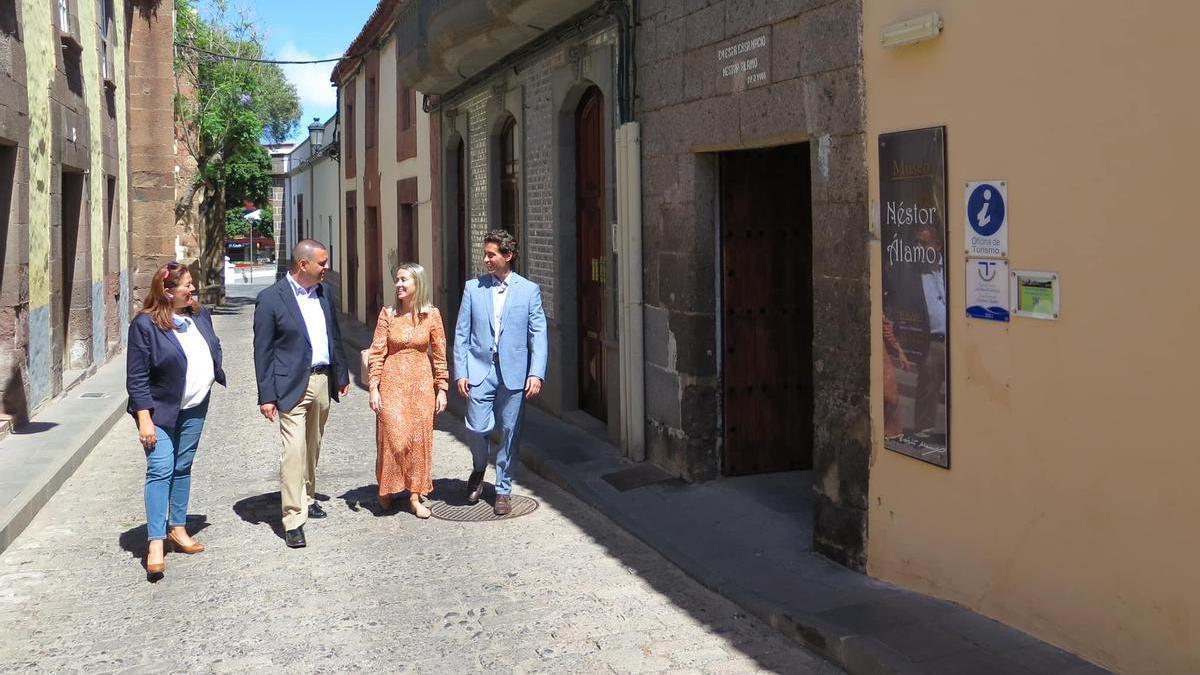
498, 297
200, 373
314, 320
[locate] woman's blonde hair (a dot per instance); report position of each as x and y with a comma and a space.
421, 299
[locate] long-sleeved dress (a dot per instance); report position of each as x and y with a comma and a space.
408, 361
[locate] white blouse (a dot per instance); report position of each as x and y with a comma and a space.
200, 371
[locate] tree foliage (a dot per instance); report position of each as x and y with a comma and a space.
236, 226
225, 108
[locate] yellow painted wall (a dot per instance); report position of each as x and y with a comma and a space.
1069, 507
94, 95
123, 178
390, 172
41, 43
356, 185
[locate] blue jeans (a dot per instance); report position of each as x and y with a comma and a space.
169, 472
491, 402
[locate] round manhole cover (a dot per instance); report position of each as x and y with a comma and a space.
481, 511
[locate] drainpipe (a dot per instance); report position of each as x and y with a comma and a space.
628, 244
629, 290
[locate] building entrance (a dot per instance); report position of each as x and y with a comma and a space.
766, 310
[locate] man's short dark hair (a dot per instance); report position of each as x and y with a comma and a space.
503, 240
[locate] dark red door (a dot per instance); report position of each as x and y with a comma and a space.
593, 253
374, 242
766, 317
301, 230
350, 271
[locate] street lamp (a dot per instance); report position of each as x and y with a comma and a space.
316, 132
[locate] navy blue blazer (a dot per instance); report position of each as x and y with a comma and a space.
282, 350
156, 367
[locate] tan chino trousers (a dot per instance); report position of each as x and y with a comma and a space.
302, 428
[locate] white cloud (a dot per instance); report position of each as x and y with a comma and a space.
311, 80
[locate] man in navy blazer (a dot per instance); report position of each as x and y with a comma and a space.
499, 361
299, 365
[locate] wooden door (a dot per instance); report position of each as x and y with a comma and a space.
593, 252
766, 314
351, 270
406, 234
301, 230
374, 251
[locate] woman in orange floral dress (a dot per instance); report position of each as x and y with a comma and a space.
408, 381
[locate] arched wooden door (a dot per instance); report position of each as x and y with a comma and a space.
593, 252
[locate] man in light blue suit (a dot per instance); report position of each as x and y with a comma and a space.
499, 361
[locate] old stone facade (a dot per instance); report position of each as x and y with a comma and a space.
79, 184
63, 181
159, 167
534, 103
724, 88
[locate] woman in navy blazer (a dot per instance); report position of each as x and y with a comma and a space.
172, 360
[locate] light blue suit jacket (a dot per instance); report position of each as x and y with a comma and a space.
522, 345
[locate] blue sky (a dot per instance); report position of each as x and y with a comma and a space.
298, 30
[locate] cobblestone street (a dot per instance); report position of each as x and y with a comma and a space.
560, 590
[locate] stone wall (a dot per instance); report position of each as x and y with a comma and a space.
14, 217
690, 110
152, 150
541, 93
62, 286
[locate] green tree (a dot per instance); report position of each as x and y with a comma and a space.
224, 109
236, 225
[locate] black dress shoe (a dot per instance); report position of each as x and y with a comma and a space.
295, 538
315, 511
474, 487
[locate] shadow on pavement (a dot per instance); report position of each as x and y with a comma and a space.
134, 540
34, 428
453, 492
233, 305
366, 498
261, 509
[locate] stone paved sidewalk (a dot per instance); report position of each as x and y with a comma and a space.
560, 590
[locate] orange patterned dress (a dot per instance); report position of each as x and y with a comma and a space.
408, 361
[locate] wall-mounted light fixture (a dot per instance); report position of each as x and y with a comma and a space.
924, 27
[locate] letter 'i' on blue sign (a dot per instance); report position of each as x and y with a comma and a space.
987, 218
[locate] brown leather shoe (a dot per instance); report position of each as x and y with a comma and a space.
503, 507
474, 487
154, 570
178, 545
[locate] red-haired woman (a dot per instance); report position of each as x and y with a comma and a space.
173, 359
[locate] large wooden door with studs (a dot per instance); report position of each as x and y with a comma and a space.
766, 310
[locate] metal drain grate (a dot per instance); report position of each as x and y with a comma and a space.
93, 394
482, 511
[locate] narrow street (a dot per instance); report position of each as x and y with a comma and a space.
559, 590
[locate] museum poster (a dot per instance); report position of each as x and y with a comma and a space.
912, 216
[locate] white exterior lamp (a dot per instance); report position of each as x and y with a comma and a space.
924, 27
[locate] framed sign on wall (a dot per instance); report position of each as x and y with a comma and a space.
912, 200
